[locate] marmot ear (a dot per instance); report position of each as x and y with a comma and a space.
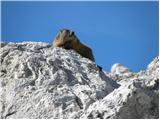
71, 33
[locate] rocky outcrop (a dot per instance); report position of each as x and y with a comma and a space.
38, 81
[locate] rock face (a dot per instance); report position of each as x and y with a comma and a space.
38, 81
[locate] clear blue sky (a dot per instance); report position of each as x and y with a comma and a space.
118, 32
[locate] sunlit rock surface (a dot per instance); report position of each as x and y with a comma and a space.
39, 81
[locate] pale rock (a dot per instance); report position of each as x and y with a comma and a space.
39, 81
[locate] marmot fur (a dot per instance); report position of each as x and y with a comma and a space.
68, 40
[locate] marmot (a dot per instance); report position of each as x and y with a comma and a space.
68, 40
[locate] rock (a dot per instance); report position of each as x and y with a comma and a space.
136, 98
120, 69
153, 68
39, 81
120, 73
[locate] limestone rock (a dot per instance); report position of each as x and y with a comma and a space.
39, 81
136, 98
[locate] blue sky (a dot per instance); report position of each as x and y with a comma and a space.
118, 32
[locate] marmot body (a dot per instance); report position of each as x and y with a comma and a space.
68, 40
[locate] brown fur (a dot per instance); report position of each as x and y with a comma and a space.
67, 40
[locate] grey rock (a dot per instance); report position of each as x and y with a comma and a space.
39, 81
119, 69
136, 98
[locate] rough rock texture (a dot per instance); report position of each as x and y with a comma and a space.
38, 81
137, 97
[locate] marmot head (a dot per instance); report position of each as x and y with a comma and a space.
66, 35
